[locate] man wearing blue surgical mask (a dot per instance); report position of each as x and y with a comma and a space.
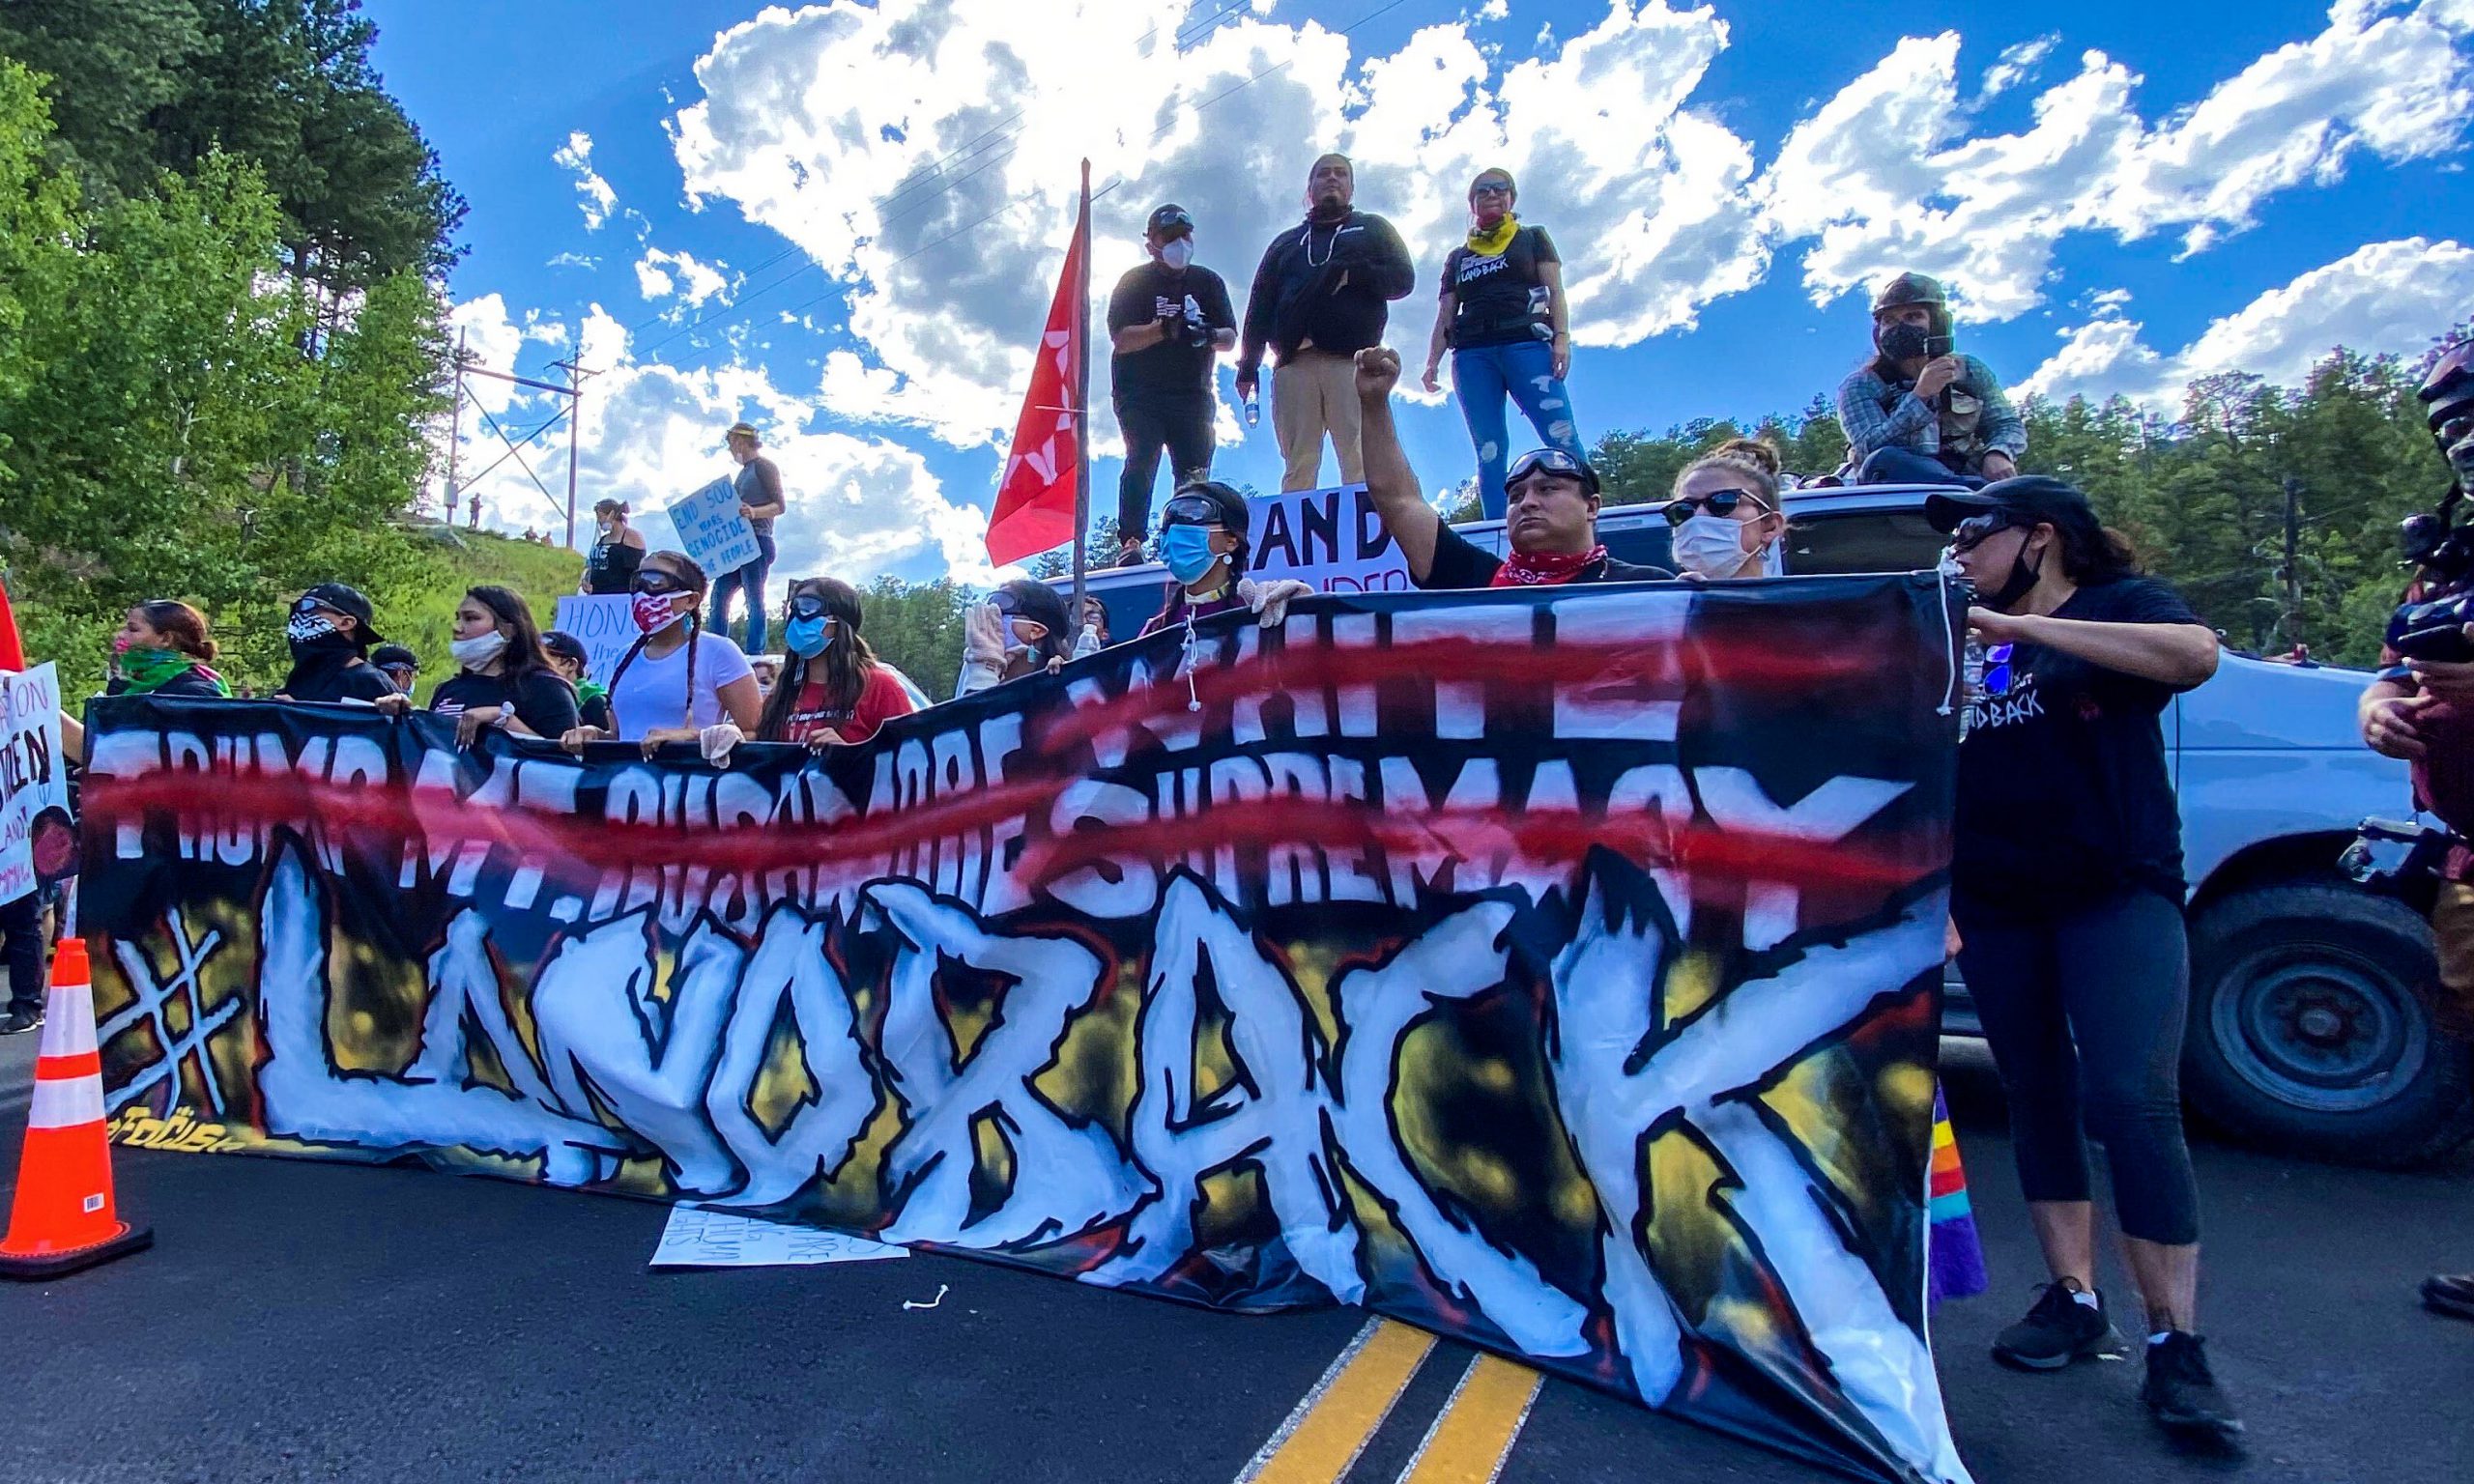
1169, 320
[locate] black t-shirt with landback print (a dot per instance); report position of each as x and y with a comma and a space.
1173, 371
2063, 794
1502, 299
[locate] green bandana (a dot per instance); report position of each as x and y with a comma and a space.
591, 689
147, 669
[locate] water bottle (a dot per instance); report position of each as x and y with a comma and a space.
1970, 681
1253, 407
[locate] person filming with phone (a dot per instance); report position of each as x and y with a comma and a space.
1916, 411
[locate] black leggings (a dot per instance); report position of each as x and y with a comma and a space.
2085, 1012
1184, 429
21, 927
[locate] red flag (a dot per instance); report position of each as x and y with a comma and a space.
1035, 496
13, 655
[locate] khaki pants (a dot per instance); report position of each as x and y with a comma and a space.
1313, 393
2453, 930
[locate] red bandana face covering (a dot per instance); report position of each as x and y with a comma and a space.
1526, 569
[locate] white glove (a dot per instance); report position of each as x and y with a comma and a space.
983, 635
1269, 600
717, 740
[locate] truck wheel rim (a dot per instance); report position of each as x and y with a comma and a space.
2320, 1028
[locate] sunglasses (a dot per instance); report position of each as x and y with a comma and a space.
1490, 189
657, 583
807, 604
2457, 428
1716, 502
1194, 510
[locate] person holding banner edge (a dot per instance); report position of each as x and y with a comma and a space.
2066, 891
675, 669
568, 657
505, 679
758, 485
1552, 496
835, 692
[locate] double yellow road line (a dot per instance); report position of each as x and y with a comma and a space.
1467, 1443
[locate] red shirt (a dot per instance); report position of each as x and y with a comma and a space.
881, 700
2444, 775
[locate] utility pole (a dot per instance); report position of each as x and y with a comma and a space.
575, 422
2291, 571
455, 429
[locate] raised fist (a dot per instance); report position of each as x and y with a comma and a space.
1378, 371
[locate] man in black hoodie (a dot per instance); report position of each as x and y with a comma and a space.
1319, 298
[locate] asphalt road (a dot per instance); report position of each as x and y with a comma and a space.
300, 1322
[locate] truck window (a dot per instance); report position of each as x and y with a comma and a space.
1862, 541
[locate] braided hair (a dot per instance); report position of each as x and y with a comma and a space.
693, 579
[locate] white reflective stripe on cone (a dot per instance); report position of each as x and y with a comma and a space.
68, 1021
66, 1102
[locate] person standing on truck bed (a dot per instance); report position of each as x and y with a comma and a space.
1504, 317
1320, 296
1167, 321
2066, 887
1553, 499
2421, 708
1916, 411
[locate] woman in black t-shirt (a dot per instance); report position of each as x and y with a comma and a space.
505, 680
1503, 318
2066, 888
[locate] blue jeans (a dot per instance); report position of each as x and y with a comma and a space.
1524, 371
1906, 466
748, 582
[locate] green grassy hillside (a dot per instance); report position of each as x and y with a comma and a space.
420, 615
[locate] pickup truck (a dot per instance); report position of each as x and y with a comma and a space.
2311, 1025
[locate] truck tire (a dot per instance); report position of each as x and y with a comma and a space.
2312, 1030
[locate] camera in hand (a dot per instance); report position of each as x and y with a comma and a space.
2400, 858
2433, 630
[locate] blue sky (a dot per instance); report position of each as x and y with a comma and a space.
2124, 197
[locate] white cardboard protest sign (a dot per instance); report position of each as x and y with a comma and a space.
696, 1238
712, 532
605, 625
1331, 539
34, 776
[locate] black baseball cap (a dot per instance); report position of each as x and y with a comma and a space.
344, 598
394, 657
1170, 223
2027, 499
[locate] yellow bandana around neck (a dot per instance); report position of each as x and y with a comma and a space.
1492, 245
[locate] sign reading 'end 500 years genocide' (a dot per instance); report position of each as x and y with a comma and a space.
1513, 963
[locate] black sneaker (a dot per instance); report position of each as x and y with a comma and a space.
2450, 1293
2183, 1394
1130, 555
2058, 1329
21, 1020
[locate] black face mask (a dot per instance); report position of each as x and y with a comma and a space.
2019, 584
1903, 342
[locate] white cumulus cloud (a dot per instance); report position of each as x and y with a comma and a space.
2384, 298
660, 274
593, 194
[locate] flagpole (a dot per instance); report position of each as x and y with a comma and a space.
1082, 401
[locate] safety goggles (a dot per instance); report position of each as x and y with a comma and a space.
1554, 461
1976, 529
1195, 510
1717, 502
807, 604
655, 581
2456, 429
1168, 223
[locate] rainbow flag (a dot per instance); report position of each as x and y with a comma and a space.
1956, 1269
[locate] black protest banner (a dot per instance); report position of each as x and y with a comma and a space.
1556, 969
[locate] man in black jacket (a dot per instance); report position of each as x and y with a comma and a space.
1319, 298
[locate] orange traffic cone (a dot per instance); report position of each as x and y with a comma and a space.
63, 1219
